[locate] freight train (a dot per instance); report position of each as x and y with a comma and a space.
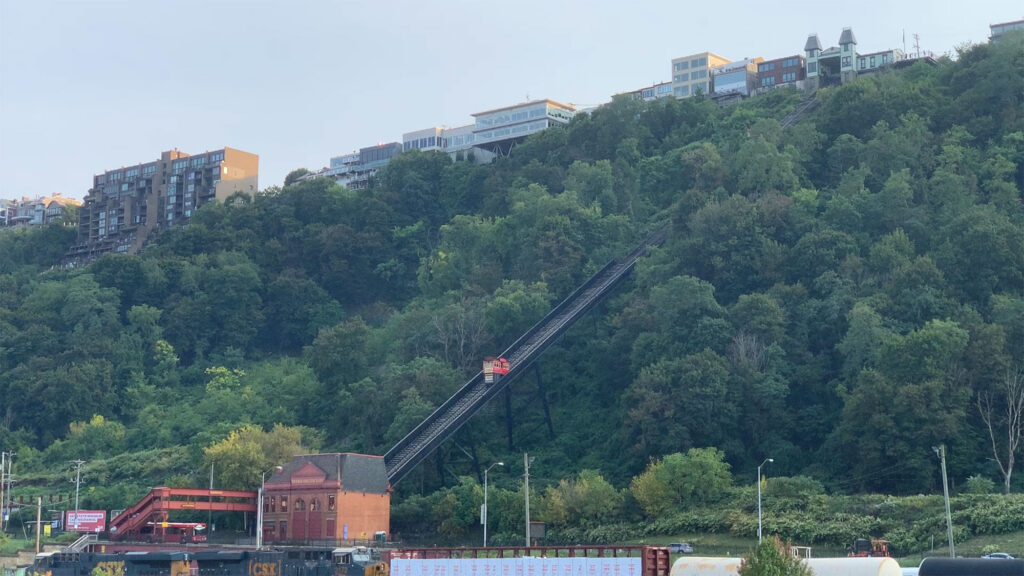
279, 562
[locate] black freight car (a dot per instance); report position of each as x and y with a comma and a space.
936, 566
284, 562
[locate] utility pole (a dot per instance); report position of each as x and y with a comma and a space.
39, 521
209, 517
526, 489
3, 505
78, 480
6, 460
941, 453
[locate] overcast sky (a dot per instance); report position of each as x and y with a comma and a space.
88, 86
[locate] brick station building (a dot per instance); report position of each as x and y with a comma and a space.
321, 498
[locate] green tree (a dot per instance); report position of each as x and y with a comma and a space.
294, 176
699, 477
587, 501
772, 558
249, 451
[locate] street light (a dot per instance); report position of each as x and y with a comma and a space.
766, 460
259, 507
483, 516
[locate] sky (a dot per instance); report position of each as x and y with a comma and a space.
88, 86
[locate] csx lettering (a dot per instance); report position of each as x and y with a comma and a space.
263, 569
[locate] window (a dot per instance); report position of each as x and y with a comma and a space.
768, 81
682, 77
273, 503
863, 62
331, 503
300, 505
812, 67
124, 187
681, 66
682, 91
846, 62
314, 505
872, 61
284, 506
790, 62
191, 187
885, 59
284, 526
846, 47
789, 77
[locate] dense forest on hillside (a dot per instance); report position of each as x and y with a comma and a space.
840, 295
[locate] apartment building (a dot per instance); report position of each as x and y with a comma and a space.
34, 211
425, 140
997, 30
126, 206
654, 92
692, 74
781, 72
734, 80
498, 131
875, 61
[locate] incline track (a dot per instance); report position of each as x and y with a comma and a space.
475, 394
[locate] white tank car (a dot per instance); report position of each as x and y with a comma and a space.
705, 566
710, 566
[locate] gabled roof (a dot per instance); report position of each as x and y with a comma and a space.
812, 43
354, 472
847, 37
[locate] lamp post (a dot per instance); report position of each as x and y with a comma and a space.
766, 460
259, 507
483, 517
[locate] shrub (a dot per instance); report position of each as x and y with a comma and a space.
772, 558
978, 485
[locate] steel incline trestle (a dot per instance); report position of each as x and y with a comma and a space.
475, 394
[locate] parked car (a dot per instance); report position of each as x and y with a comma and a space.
680, 548
999, 555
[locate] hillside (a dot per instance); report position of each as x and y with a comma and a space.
840, 295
